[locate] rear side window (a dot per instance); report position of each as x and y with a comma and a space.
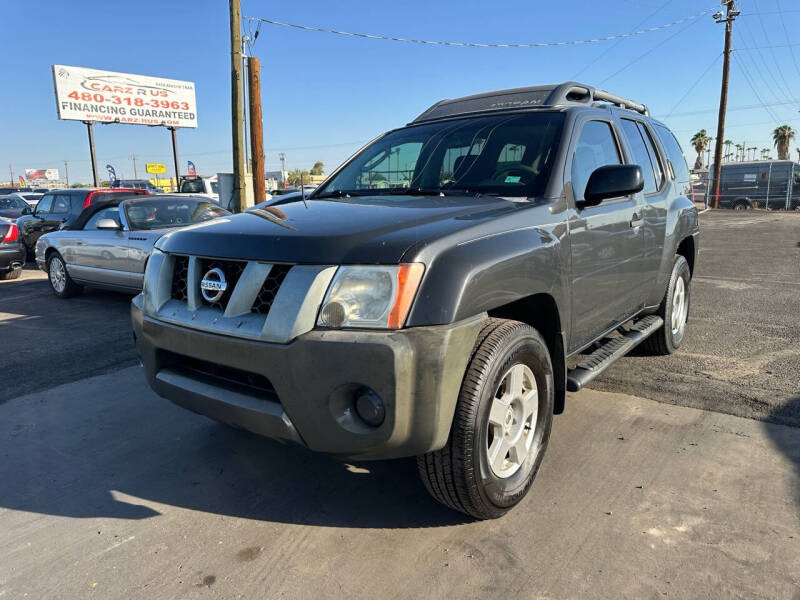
596, 148
644, 154
61, 204
674, 153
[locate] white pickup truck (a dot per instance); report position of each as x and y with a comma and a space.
197, 185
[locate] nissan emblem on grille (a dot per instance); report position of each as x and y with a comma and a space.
213, 285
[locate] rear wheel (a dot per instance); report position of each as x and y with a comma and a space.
674, 309
741, 205
501, 424
59, 278
11, 274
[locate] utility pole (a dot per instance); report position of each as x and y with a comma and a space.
66, 172
133, 158
281, 156
256, 128
731, 12
11, 170
238, 198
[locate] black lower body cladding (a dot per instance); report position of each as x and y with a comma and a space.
305, 391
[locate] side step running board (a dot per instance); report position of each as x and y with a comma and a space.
602, 358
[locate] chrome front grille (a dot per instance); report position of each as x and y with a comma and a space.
264, 301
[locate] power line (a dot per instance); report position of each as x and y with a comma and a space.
694, 85
788, 39
749, 81
648, 52
774, 56
618, 42
692, 113
372, 36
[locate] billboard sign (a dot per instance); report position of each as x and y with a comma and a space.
156, 168
41, 174
104, 96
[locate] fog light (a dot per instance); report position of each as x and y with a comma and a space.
334, 314
369, 407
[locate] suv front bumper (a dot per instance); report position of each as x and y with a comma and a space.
308, 397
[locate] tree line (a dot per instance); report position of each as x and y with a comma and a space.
782, 137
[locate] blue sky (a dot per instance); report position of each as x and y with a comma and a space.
324, 95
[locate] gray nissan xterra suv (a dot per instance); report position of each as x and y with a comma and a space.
439, 293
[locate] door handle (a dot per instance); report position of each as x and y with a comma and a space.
636, 221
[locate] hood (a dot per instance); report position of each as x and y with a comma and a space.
370, 229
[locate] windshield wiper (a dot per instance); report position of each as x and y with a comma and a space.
415, 191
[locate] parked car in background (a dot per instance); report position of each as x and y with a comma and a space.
61, 208
13, 207
109, 243
32, 198
12, 250
137, 184
197, 185
771, 184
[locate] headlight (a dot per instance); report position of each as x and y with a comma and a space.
371, 297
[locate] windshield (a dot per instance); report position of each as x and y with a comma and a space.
192, 186
507, 155
159, 214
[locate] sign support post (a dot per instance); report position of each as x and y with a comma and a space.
175, 156
91, 151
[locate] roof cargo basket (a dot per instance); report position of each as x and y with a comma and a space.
564, 94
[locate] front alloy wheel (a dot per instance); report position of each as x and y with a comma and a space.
59, 278
501, 424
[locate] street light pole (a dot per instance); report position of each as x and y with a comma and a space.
731, 12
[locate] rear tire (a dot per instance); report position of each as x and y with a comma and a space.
674, 310
501, 424
740, 206
60, 281
11, 274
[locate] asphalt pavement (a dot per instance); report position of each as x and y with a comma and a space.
111, 492
742, 351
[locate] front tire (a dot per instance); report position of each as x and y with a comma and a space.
674, 310
501, 424
60, 281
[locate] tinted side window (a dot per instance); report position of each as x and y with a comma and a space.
674, 153
596, 147
45, 204
641, 156
655, 157
61, 204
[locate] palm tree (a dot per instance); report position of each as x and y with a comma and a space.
699, 142
798, 154
783, 136
727, 144
739, 149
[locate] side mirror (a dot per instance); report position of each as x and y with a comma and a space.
27, 210
108, 224
612, 181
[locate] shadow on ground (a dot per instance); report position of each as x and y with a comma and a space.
787, 439
123, 458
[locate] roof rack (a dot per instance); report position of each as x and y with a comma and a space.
568, 93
